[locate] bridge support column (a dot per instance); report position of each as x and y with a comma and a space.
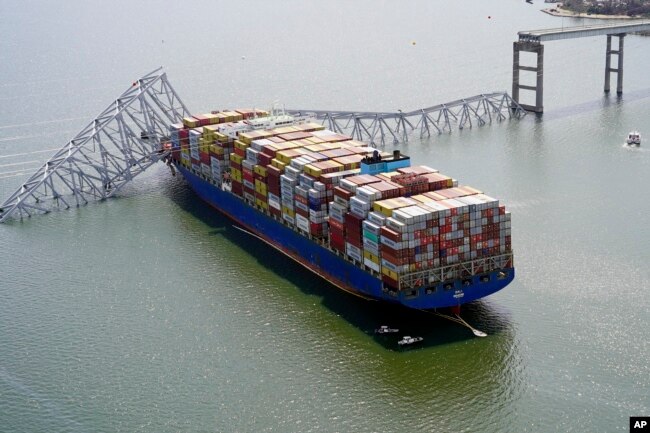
531, 47
608, 63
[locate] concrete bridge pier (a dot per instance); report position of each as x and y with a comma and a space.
608, 63
533, 47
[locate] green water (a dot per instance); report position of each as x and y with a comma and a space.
149, 312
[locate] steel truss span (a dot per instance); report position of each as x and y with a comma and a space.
120, 143
380, 128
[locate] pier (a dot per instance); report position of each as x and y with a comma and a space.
531, 41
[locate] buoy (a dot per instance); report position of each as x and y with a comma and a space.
489, 17
412, 42
135, 84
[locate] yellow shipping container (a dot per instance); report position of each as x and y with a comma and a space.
389, 273
260, 187
331, 146
241, 145
259, 169
261, 203
237, 159
315, 140
235, 174
286, 156
278, 164
368, 255
316, 147
288, 211
313, 171
212, 117
190, 122
209, 132
232, 116
248, 137
221, 117
221, 138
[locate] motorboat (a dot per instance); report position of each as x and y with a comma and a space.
634, 138
408, 340
386, 330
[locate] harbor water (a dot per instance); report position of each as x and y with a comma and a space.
150, 312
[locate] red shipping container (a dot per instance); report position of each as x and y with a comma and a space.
264, 160
389, 281
237, 188
336, 225
354, 240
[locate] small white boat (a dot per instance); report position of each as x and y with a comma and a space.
634, 137
385, 330
407, 340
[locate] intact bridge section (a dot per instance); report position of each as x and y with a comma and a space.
531, 41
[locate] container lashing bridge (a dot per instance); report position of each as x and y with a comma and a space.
130, 135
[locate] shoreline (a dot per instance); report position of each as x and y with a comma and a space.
559, 12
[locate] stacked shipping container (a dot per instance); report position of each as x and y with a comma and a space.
394, 223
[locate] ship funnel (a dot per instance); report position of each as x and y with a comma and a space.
396, 154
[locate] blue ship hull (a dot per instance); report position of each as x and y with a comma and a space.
333, 266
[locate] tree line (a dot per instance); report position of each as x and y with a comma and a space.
610, 7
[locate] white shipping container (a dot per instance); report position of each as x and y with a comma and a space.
377, 218
341, 201
301, 206
289, 218
302, 223
194, 151
260, 143
372, 265
274, 201
291, 172
391, 243
390, 265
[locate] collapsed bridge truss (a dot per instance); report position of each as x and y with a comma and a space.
120, 143
380, 128
128, 136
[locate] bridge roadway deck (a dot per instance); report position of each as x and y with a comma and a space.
583, 31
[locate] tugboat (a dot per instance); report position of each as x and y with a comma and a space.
634, 138
386, 330
407, 340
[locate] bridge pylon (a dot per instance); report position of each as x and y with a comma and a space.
608, 63
538, 49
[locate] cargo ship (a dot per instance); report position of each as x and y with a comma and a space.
367, 221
